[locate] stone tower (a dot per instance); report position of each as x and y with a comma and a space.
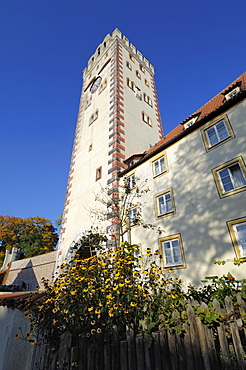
118, 117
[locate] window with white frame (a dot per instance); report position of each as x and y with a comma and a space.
137, 257
217, 132
132, 216
230, 178
171, 250
237, 230
233, 93
131, 182
165, 204
159, 166
190, 122
240, 231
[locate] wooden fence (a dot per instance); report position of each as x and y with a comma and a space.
201, 348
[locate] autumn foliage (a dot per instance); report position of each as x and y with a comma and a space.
33, 235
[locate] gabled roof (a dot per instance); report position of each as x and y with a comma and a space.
213, 106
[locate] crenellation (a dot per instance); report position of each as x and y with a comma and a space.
146, 61
126, 41
140, 55
116, 33
133, 48
152, 68
94, 59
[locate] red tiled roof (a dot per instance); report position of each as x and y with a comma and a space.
17, 299
219, 100
175, 132
212, 105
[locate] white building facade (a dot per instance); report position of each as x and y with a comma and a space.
196, 177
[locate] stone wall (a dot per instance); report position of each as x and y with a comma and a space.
26, 274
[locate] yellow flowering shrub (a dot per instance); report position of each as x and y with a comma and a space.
104, 292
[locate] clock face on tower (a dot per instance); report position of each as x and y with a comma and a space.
95, 85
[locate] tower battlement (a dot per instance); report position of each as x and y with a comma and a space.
101, 50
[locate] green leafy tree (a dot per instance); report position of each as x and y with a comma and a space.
33, 235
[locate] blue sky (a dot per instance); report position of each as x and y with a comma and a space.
196, 47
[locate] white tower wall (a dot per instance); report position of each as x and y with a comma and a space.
114, 122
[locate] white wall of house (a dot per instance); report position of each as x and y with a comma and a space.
14, 353
200, 215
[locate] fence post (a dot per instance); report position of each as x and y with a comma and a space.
64, 350
194, 338
43, 359
82, 354
140, 352
148, 357
179, 343
225, 354
107, 357
157, 352
165, 358
235, 336
203, 344
74, 358
131, 348
242, 308
173, 351
188, 349
123, 355
91, 358
210, 343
